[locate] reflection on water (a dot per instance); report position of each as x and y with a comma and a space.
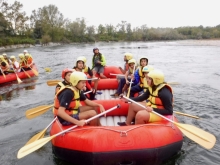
10, 91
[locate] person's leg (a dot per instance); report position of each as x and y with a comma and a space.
101, 72
94, 70
142, 117
132, 110
86, 112
135, 89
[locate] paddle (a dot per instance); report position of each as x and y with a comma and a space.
2, 72
34, 71
185, 114
198, 135
18, 79
26, 73
40, 134
37, 111
39, 143
55, 82
129, 89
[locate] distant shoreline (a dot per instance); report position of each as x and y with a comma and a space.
203, 42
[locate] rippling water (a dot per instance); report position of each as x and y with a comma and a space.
194, 64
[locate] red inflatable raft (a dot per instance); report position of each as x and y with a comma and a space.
110, 144
22, 75
110, 70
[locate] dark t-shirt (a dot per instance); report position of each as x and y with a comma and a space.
166, 97
66, 96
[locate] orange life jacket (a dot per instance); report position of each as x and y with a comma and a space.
74, 105
154, 101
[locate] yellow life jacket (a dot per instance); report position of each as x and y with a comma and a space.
85, 70
154, 101
74, 105
145, 85
141, 75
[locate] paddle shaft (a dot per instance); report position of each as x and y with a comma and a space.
164, 118
88, 120
26, 73
129, 89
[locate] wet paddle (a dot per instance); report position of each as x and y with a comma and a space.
40, 134
34, 71
27, 149
198, 135
26, 73
37, 111
18, 79
129, 89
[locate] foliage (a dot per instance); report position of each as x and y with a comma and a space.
45, 39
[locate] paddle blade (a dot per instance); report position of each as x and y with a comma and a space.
33, 146
198, 135
53, 82
35, 72
34, 112
37, 136
19, 80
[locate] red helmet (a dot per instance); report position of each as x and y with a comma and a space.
95, 49
65, 71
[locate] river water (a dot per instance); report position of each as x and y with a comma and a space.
194, 64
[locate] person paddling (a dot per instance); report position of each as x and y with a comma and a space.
67, 103
159, 97
15, 64
125, 82
127, 57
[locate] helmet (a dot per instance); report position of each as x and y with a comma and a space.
27, 55
128, 56
25, 51
143, 58
95, 49
21, 56
65, 71
4, 54
81, 58
12, 57
147, 68
75, 77
157, 76
132, 61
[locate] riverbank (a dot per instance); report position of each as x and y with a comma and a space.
9, 47
210, 42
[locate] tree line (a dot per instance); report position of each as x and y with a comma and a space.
47, 24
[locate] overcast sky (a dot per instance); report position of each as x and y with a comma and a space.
153, 13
